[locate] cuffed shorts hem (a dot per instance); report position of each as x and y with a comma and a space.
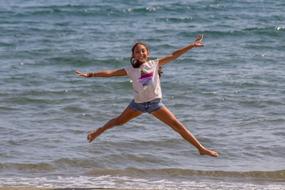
146, 107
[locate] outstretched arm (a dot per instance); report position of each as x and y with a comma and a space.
197, 43
106, 73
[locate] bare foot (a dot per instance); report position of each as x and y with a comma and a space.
93, 134
208, 152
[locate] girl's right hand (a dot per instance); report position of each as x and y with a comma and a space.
86, 75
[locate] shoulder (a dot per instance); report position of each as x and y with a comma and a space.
153, 62
128, 69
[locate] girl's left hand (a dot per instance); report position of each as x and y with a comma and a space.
198, 42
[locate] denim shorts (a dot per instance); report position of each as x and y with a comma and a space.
146, 107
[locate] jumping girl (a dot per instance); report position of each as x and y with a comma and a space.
144, 74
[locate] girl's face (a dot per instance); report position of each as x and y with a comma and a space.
141, 53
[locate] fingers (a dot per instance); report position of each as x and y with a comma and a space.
89, 138
81, 74
78, 72
199, 37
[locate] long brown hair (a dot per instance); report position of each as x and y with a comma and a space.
135, 63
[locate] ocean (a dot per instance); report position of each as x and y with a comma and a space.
229, 94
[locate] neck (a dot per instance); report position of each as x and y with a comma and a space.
137, 64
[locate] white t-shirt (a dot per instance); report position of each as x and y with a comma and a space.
145, 80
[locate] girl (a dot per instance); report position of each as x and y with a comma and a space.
144, 74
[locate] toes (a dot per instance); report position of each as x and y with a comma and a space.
214, 154
89, 138
209, 153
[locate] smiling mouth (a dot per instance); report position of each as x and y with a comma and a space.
141, 58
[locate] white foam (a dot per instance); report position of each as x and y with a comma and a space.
124, 182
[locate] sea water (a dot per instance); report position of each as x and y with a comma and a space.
229, 94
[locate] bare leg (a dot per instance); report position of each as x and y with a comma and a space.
126, 116
165, 115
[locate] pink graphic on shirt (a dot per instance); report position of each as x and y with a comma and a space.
146, 78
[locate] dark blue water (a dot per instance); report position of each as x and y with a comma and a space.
230, 94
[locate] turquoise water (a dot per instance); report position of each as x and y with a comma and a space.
230, 94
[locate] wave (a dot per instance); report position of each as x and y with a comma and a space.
123, 182
267, 31
63, 10
108, 9
31, 167
83, 10
278, 175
